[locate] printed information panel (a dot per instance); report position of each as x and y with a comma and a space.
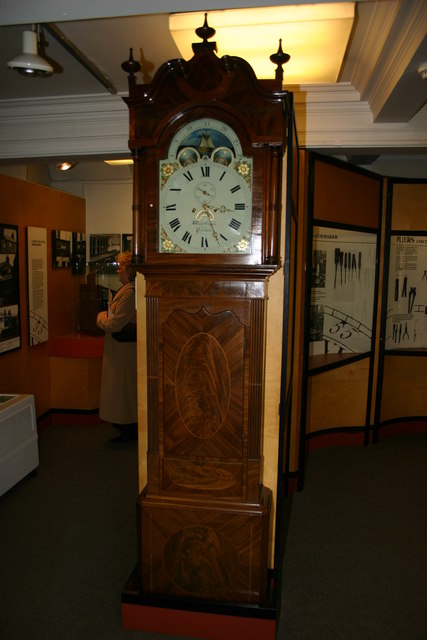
407, 293
37, 285
342, 290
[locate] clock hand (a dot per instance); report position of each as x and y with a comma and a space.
210, 216
214, 233
205, 212
205, 193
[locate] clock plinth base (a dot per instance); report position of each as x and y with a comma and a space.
208, 550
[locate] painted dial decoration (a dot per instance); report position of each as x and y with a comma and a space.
205, 200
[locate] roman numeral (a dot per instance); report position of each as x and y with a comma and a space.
204, 242
239, 206
223, 237
221, 176
234, 224
170, 207
188, 175
236, 188
187, 237
175, 224
205, 171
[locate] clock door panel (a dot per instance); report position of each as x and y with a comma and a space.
203, 384
203, 401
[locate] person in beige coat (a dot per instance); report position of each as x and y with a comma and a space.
118, 398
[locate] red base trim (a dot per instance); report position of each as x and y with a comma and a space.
410, 427
335, 439
292, 485
195, 624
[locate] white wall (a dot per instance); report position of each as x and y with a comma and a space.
108, 208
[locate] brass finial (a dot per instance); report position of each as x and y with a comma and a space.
131, 67
204, 32
280, 59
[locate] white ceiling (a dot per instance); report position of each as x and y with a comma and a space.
386, 46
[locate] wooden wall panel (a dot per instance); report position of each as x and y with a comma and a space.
404, 387
75, 383
338, 398
409, 208
332, 186
27, 370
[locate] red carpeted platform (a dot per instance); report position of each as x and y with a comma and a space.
78, 345
210, 621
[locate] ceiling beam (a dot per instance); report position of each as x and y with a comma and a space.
35, 11
54, 31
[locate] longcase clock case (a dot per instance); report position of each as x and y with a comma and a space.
204, 515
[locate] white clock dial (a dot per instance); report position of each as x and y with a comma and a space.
205, 207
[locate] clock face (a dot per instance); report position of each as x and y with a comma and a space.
205, 200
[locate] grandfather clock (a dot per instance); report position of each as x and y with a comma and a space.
207, 139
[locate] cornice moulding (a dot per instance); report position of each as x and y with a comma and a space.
55, 127
381, 21
327, 116
406, 35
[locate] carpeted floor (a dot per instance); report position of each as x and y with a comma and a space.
355, 563
356, 555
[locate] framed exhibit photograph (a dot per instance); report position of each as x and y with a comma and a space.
10, 325
342, 290
78, 253
61, 249
127, 242
103, 248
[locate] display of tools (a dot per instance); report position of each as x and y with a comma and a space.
400, 332
337, 261
349, 264
404, 288
353, 264
411, 298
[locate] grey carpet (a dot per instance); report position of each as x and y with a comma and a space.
355, 562
356, 555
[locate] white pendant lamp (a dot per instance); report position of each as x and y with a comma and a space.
29, 63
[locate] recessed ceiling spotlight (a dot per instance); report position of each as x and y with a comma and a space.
65, 166
422, 70
29, 63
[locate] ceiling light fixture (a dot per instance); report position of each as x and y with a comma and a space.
119, 162
422, 70
315, 36
30, 63
65, 166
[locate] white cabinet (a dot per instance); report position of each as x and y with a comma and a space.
19, 454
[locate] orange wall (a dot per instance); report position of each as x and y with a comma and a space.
27, 370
